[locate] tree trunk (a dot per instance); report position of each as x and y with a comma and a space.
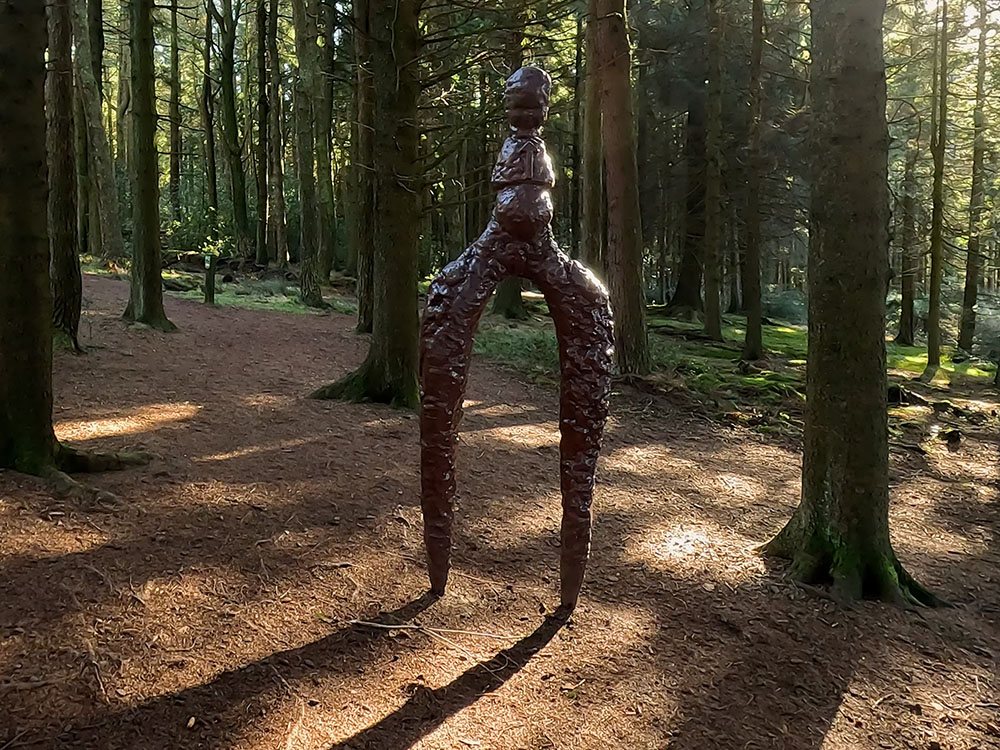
840, 531
174, 188
145, 303
276, 188
938, 198
102, 180
389, 374
27, 441
974, 263
592, 199
624, 267
323, 111
67, 291
908, 271
262, 142
753, 345
576, 158
208, 126
81, 157
304, 102
363, 168
87, 198
230, 124
712, 253
687, 293
124, 103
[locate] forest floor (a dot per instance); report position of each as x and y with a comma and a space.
218, 606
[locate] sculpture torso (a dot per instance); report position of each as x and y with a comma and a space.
523, 175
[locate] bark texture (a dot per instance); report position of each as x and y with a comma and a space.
624, 251
713, 252
305, 142
753, 345
27, 442
974, 261
937, 214
146, 290
592, 198
102, 176
67, 290
840, 531
389, 374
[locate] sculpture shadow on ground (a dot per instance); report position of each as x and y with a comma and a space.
428, 709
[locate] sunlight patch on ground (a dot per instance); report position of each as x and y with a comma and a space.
143, 419
267, 400
522, 435
742, 487
691, 551
283, 446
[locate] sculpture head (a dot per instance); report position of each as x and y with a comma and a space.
526, 97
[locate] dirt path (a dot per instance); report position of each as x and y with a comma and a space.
213, 609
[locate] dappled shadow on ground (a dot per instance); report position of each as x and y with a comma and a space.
220, 594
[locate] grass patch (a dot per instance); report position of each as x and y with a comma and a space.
271, 294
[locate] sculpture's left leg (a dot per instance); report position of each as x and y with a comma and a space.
582, 315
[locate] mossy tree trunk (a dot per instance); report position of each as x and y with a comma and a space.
389, 374
840, 531
66, 282
27, 440
145, 303
624, 250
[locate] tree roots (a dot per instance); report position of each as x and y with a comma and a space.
853, 574
69, 459
364, 386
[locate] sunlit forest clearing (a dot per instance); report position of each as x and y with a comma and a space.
250, 250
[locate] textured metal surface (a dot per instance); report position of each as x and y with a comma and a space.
517, 242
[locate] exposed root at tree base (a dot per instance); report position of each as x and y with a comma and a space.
71, 460
315, 301
362, 386
851, 577
157, 324
92, 462
66, 487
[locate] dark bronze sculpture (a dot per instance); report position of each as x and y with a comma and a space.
517, 242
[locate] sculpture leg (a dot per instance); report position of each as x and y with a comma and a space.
582, 315
455, 302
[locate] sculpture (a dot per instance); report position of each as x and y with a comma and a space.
517, 242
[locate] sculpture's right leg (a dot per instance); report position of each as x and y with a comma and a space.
455, 302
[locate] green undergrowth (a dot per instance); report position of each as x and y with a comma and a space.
768, 395
270, 294
246, 291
